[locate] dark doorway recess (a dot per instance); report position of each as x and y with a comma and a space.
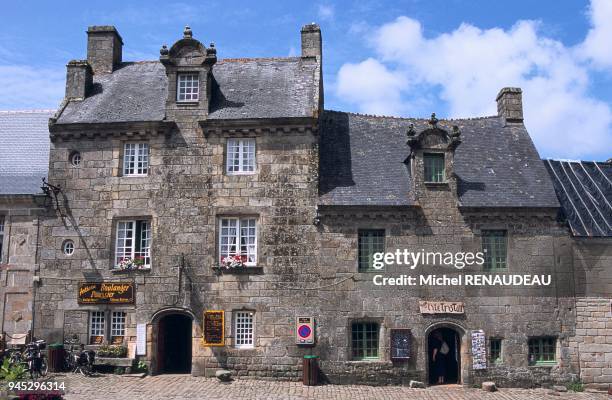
174, 344
447, 366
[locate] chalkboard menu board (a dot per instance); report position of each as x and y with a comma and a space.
479, 350
400, 344
214, 328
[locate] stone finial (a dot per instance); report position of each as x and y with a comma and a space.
455, 132
187, 33
164, 50
433, 121
411, 131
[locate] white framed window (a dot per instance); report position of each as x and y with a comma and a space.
135, 159
75, 158
188, 87
238, 237
1, 235
244, 330
133, 244
96, 327
68, 247
117, 324
240, 156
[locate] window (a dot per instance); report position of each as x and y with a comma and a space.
135, 159
133, 247
495, 350
369, 242
1, 235
434, 167
68, 247
96, 327
365, 340
244, 331
542, 350
238, 237
494, 247
240, 156
75, 158
188, 87
117, 327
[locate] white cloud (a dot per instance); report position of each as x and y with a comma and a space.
466, 68
325, 12
597, 45
24, 87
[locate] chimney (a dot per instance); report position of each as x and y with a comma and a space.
79, 79
104, 48
311, 40
510, 104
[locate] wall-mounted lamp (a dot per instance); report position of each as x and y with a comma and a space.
50, 190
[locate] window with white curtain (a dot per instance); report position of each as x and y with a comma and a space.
135, 159
240, 156
244, 332
188, 87
133, 242
238, 237
96, 327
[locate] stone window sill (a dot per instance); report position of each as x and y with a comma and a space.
127, 271
436, 184
239, 271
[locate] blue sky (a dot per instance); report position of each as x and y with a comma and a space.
405, 58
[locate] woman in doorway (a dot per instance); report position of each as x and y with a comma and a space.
439, 356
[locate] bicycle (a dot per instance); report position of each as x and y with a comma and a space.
31, 358
80, 361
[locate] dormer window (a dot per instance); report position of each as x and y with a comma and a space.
434, 167
188, 87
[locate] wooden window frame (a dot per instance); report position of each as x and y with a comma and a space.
361, 241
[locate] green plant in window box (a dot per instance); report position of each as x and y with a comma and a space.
112, 351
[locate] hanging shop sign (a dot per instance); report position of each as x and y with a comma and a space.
214, 328
304, 330
400, 344
479, 350
441, 307
106, 293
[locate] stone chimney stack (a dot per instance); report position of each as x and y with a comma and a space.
79, 78
104, 49
510, 104
311, 40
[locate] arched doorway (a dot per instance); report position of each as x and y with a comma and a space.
444, 355
174, 334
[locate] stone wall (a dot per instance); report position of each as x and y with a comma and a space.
18, 263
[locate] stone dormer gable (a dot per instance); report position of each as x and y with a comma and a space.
431, 157
188, 64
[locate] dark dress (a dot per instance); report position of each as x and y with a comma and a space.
440, 363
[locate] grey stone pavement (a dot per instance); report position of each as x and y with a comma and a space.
116, 387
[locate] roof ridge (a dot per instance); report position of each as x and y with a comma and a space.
26, 111
243, 59
412, 118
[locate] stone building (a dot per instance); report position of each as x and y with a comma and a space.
195, 184
24, 161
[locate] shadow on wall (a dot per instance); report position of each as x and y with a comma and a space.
335, 169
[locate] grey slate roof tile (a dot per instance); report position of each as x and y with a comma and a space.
584, 190
242, 89
24, 150
362, 162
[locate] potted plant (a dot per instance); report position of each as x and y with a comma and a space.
128, 263
235, 261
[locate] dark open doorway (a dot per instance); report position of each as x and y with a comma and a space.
445, 368
174, 344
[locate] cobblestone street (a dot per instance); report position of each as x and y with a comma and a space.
112, 387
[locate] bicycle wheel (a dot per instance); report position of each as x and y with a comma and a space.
44, 367
34, 371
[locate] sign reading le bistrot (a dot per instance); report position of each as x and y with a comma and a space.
214, 328
106, 293
441, 307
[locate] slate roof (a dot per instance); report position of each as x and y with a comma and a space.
362, 162
242, 89
585, 192
24, 150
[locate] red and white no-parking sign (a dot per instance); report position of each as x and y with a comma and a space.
304, 330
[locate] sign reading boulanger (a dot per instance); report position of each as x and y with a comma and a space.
106, 293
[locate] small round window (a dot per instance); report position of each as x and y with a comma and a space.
68, 247
75, 158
